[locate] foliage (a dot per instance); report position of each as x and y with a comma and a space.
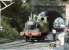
13, 19
18, 14
8, 32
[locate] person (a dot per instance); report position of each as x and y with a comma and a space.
61, 38
54, 34
43, 27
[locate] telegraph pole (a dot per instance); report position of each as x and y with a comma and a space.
0, 19
2, 8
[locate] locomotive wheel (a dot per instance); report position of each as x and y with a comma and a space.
44, 35
27, 39
35, 39
32, 40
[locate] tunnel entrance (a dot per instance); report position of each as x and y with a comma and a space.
52, 15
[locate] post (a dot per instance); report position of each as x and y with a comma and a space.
67, 14
0, 14
1, 28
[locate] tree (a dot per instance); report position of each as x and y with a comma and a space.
17, 14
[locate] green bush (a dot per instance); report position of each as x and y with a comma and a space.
8, 31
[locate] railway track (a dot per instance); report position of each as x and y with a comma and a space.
14, 44
22, 45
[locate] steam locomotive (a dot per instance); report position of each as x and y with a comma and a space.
35, 29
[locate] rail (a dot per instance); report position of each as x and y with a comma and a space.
14, 44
